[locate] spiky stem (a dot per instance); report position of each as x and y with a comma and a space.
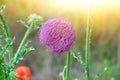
7, 33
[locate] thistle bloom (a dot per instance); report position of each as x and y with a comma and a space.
57, 35
23, 73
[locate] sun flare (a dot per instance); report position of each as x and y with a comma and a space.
84, 4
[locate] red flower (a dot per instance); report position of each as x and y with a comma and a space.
23, 73
13, 10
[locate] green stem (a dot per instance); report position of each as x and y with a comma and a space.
14, 61
5, 26
68, 61
23, 40
87, 48
7, 33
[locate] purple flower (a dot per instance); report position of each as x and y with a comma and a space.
57, 35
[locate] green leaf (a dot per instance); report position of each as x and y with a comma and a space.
23, 23
62, 74
79, 58
26, 51
2, 8
100, 73
7, 47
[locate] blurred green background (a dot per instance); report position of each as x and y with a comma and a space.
105, 39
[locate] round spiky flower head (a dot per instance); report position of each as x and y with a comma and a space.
57, 35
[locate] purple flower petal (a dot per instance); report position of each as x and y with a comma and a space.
57, 35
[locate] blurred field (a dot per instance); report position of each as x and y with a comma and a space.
105, 39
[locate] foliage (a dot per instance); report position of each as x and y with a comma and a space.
6, 44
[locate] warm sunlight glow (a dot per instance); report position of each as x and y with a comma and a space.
84, 4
